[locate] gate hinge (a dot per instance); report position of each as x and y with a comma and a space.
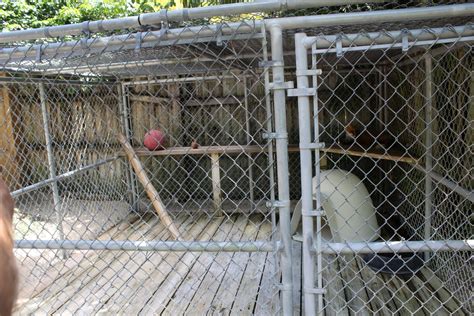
312, 146
281, 85
302, 92
275, 135
276, 203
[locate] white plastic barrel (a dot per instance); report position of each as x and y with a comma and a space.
348, 206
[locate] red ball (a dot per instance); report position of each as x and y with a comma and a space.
154, 140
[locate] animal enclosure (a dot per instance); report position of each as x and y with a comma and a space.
308, 167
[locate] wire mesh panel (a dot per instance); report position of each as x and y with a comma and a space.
393, 113
83, 202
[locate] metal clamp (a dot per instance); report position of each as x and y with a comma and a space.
281, 85
274, 135
276, 203
404, 41
312, 145
302, 92
308, 72
317, 213
39, 53
270, 63
318, 291
138, 41
339, 47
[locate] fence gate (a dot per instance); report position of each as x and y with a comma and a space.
391, 112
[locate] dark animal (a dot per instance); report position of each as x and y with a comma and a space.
367, 139
8, 269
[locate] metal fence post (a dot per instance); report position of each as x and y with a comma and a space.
52, 165
428, 145
128, 134
279, 96
304, 120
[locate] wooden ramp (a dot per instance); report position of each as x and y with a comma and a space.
355, 289
161, 283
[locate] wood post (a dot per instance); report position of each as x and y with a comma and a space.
149, 188
216, 182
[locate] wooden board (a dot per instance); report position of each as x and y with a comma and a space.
182, 296
334, 299
268, 299
355, 291
202, 301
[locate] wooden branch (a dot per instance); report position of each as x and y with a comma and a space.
149, 188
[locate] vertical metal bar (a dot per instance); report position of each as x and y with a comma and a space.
52, 165
304, 120
428, 144
128, 135
269, 118
319, 274
279, 100
247, 130
128, 178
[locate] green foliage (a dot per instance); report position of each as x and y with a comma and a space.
23, 14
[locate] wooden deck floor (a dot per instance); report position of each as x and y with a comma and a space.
167, 283
177, 283
355, 289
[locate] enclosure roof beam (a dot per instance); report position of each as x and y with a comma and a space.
165, 16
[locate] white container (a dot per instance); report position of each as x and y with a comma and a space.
348, 206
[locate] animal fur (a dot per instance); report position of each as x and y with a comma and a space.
8, 269
367, 139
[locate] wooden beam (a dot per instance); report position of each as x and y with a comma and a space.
149, 188
237, 149
212, 101
216, 182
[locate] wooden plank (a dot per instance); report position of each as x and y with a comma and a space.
368, 154
267, 299
203, 298
162, 296
141, 286
380, 300
116, 275
148, 99
213, 101
335, 302
8, 148
431, 303
34, 285
355, 292
437, 288
403, 296
216, 182
62, 288
181, 298
246, 297
228, 291
297, 277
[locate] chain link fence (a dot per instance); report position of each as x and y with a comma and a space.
387, 226
393, 113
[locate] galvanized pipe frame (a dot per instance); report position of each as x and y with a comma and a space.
128, 245
42, 184
245, 27
281, 144
165, 16
304, 124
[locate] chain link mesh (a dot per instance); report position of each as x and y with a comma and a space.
206, 85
